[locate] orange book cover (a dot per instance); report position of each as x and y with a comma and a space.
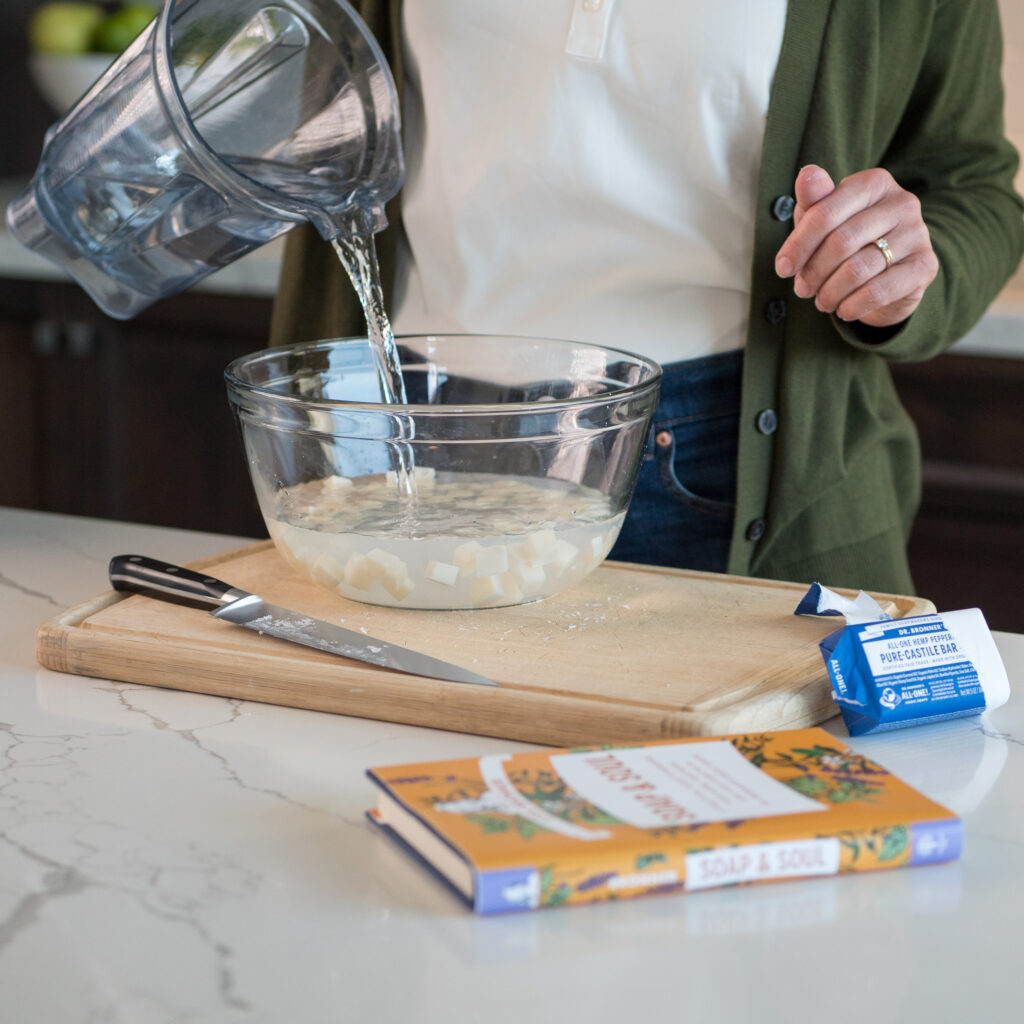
549, 828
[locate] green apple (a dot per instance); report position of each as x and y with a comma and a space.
121, 27
64, 26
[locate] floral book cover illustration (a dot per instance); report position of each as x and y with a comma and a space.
549, 828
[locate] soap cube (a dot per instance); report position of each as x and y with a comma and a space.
531, 578
391, 571
381, 561
486, 590
442, 572
492, 560
563, 554
327, 571
512, 591
398, 583
523, 553
464, 557
540, 546
358, 573
335, 484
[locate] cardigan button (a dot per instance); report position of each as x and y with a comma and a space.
755, 529
783, 207
767, 421
775, 311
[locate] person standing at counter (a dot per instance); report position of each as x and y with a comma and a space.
772, 199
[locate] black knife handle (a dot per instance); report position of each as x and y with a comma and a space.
140, 574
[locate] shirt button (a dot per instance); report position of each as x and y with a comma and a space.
767, 421
755, 529
775, 311
783, 207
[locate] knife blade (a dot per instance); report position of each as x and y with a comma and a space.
139, 574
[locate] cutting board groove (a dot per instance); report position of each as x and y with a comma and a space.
631, 653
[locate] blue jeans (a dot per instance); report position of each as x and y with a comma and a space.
682, 510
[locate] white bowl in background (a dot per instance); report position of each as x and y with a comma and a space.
62, 80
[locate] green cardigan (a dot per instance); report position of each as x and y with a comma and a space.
910, 85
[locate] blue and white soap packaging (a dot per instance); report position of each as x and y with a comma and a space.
890, 673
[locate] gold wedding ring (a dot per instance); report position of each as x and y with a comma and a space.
883, 245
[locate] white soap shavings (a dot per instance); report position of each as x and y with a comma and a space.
298, 631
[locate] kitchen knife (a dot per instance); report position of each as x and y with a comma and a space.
148, 576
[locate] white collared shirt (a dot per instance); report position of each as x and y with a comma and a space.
608, 201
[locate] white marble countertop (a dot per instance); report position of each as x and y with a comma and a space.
171, 857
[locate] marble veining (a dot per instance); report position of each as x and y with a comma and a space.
174, 857
27, 591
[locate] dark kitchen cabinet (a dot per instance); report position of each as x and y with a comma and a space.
127, 420
967, 545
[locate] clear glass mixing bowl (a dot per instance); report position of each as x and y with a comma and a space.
504, 480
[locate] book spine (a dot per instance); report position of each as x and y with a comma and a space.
530, 887
868, 849
933, 842
495, 892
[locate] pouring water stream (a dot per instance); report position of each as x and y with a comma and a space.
359, 258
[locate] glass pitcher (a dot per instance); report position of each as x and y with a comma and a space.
221, 127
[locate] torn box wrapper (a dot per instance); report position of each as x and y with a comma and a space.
889, 673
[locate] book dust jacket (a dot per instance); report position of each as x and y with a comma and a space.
555, 827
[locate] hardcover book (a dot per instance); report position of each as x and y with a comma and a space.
549, 828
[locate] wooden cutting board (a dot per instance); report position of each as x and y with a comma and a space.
630, 653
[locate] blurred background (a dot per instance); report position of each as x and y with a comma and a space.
129, 420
